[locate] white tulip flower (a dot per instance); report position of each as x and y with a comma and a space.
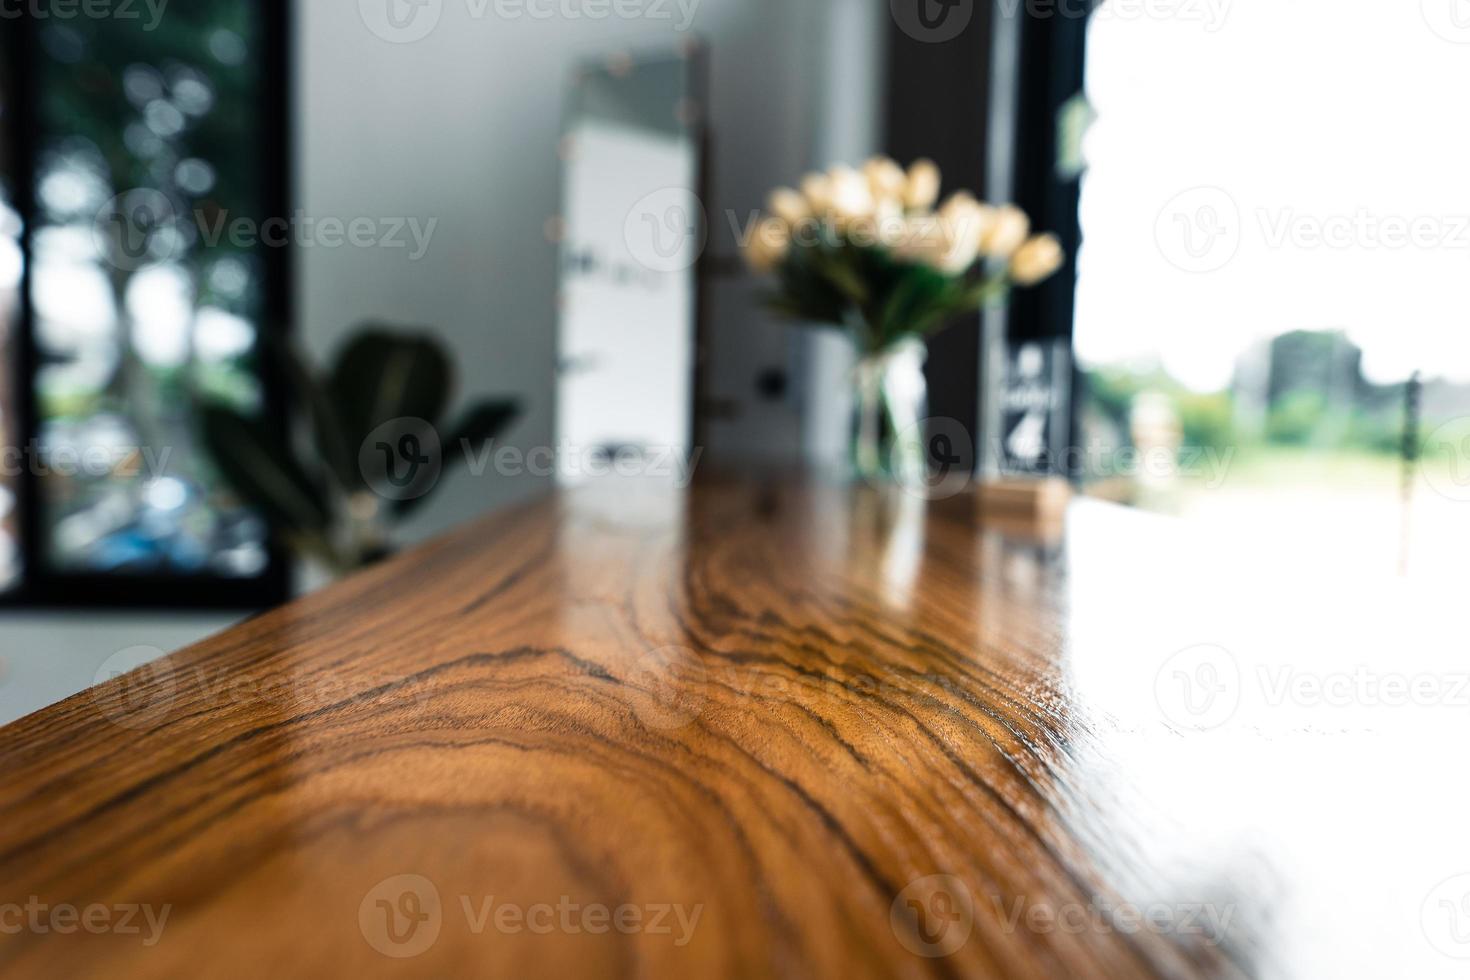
921, 189
769, 244
922, 238
886, 226
817, 190
886, 179
959, 201
788, 205
963, 211
964, 231
945, 246
1037, 259
1007, 232
851, 198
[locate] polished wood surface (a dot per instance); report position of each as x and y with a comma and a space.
786, 729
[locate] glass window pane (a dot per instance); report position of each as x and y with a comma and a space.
1270, 254
11, 268
148, 146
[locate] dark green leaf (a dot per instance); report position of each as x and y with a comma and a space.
973, 296
916, 293
807, 292
835, 267
262, 471
382, 376
310, 392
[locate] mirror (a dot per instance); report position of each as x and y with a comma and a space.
632, 233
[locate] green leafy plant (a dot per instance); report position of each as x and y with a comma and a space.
311, 486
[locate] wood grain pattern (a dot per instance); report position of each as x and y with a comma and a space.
796, 730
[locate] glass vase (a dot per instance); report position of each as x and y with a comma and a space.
890, 400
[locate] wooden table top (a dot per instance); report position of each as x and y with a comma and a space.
783, 729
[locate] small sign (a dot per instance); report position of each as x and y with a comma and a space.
1034, 407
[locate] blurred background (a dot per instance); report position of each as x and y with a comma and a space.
1258, 327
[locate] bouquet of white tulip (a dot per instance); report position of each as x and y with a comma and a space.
869, 252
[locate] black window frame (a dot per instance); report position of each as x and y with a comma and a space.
986, 105
1050, 58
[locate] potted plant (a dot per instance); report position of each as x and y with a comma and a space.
868, 252
372, 445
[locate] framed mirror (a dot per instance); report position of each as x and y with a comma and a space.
632, 233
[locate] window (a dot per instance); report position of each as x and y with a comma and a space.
1269, 304
142, 142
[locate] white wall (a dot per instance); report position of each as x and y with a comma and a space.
462, 126
47, 657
